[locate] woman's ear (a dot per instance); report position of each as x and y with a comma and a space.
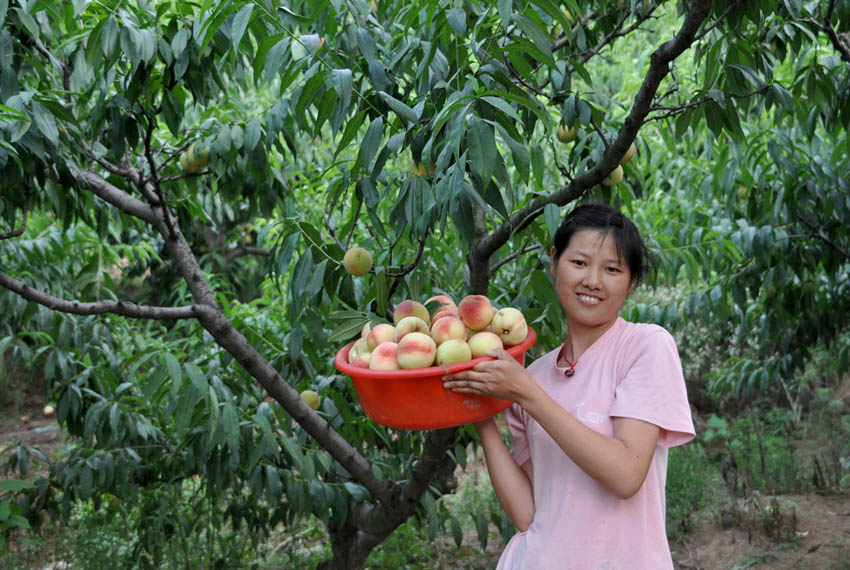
632, 286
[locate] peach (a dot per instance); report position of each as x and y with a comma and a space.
509, 323
366, 328
445, 303
409, 325
311, 397
475, 311
409, 308
416, 350
483, 341
357, 261
630, 154
383, 332
444, 311
360, 347
384, 357
448, 328
453, 351
361, 360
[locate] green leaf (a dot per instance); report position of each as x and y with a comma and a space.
213, 23
347, 330
300, 276
456, 18
552, 216
501, 105
541, 38
13, 485
519, 152
482, 528
382, 287
749, 74
240, 23
174, 369
482, 150
370, 144
179, 41
230, 422
343, 83
45, 123
198, 379
400, 108
505, 8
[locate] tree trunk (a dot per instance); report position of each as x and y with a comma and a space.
351, 547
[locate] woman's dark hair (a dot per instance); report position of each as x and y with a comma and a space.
630, 246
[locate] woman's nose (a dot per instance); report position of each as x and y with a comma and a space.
592, 278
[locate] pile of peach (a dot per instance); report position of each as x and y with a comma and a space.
452, 333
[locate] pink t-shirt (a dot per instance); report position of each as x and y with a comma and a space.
632, 370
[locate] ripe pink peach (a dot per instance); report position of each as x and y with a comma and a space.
360, 347
509, 323
448, 328
384, 357
416, 350
383, 332
445, 303
409, 325
409, 308
361, 360
475, 311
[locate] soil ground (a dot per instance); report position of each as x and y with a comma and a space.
817, 527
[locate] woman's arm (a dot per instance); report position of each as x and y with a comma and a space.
619, 462
511, 482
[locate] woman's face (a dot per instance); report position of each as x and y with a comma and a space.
592, 282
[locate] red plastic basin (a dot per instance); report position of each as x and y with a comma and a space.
416, 399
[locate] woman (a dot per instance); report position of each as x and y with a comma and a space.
592, 420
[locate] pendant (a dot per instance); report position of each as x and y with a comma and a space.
569, 372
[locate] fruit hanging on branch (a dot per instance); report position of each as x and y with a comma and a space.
630, 154
614, 177
566, 134
192, 161
357, 261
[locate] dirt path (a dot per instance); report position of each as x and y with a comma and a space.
821, 540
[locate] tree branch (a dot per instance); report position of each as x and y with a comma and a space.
97, 307
717, 22
831, 33
672, 111
19, 231
405, 269
114, 195
153, 179
617, 32
529, 248
659, 67
247, 250
819, 233
235, 343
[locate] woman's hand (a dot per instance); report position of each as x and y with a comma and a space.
503, 378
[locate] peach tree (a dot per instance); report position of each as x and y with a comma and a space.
181, 181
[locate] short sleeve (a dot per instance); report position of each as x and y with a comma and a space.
653, 389
520, 449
